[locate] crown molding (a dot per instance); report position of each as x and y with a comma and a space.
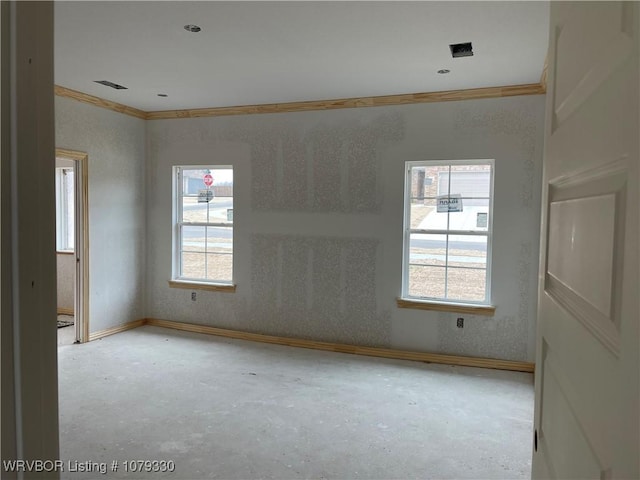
99, 102
357, 102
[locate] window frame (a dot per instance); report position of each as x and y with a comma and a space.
406, 300
65, 225
177, 280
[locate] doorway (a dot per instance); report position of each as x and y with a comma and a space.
72, 242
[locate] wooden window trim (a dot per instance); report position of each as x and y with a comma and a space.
212, 287
471, 309
179, 223
408, 231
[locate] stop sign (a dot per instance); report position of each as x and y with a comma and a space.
208, 179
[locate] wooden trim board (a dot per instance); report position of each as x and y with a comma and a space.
484, 310
99, 102
326, 346
202, 286
65, 311
356, 102
71, 154
344, 348
543, 77
117, 329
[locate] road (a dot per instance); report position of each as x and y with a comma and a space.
202, 206
453, 244
217, 232
418, 242
214, 232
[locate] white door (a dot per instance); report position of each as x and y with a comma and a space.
587, 363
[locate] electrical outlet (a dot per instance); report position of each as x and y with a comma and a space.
193, 296
460, 322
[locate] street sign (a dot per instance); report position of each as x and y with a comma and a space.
450, 203
205, 195
208, 180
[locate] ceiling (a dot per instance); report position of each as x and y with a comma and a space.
251, 53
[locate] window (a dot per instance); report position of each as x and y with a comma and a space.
65, 209
203, 229
447, 231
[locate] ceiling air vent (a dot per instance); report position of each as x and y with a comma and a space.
107, 83
461, 50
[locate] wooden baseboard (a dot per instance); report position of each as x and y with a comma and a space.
326, 346
65, 311
353, 349
116, 329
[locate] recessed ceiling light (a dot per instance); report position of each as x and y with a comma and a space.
163, 95
192, 28
443, 71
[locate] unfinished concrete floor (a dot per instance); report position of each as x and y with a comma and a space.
222, 408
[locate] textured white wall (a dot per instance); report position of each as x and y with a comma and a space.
318, 221
116, 147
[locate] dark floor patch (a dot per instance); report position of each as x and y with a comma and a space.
64, 322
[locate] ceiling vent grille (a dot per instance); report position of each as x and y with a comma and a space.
107, 83
461, 50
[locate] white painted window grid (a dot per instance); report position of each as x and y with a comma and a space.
180, 225
447, 232
65, 208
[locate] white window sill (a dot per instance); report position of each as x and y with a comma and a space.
471, 309
213, 287
65, 252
